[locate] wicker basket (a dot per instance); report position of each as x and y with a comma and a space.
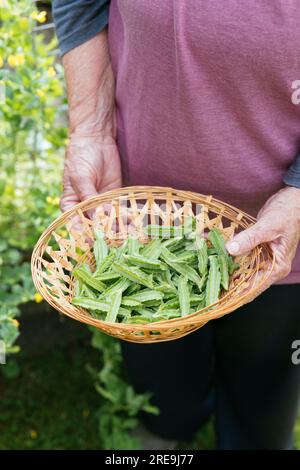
68, 241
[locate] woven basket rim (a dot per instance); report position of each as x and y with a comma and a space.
142, 192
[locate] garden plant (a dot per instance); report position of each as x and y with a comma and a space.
33, 136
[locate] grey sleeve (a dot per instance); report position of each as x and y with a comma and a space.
77, 21
292, 176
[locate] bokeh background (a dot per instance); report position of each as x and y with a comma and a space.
63, 385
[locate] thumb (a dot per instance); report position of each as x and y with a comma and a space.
247, 240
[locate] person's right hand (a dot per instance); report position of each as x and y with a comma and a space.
92, 166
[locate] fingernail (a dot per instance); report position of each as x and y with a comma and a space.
233, 247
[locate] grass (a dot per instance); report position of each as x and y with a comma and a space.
52, 403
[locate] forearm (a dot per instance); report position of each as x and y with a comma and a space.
90, 89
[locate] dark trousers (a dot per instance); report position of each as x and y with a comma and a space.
238, 367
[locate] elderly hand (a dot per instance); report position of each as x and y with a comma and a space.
92, 165
279, 225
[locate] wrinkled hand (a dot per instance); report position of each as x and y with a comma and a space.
279, 225
92, 166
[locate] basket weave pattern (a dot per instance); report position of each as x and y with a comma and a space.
69, 239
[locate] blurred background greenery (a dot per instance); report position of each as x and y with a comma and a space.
45, 403
63, 386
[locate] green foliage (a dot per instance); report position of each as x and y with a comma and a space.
32, 136
16, 288
118, 413
51, 403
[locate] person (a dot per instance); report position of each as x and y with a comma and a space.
198, 95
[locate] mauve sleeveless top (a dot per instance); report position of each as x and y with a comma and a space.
203, 96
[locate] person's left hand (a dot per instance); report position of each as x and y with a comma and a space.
279, 225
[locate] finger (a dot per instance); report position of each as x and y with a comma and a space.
84, 187
281, 269
248, 239
262, 288
283, 261
75, 227
69, 197
68, 200
261, 282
